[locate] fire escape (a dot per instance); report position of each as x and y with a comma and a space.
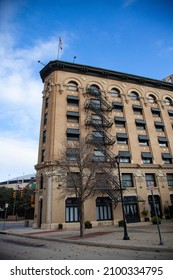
98, 108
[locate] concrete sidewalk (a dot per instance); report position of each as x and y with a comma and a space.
143, 236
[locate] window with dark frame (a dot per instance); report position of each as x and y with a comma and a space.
72, 86
146, 157
115, 92
134, 95
127, 180
72, 100
71, 210
169, 177
103, 208
150, 177
42, 155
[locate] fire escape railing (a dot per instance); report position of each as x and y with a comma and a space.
101, 138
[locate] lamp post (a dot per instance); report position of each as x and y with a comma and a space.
126, 237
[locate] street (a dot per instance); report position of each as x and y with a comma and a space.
22, 248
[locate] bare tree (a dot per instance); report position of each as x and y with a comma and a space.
85, 174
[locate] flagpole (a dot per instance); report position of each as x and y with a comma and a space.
59, 47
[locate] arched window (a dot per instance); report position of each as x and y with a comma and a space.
94, 90
168, 101
115, 92
72, 86
152, 98
134, 95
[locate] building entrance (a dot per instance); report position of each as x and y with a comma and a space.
131, 209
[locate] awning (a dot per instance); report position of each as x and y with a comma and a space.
137, 107
163, 139
159, 124
124, 154
155, 110
146, 155
170, 112
143, 137
117, 104
166, 156
122, 135
72, 97
73, 131
72, 114
140, 121
119, 119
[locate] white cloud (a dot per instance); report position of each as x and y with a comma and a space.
20, 98
18, 156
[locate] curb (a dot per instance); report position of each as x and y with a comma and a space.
95, 244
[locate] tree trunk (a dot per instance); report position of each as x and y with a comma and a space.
81, 219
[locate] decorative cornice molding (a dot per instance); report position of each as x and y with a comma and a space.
102, 73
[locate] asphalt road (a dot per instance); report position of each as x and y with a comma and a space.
21, 248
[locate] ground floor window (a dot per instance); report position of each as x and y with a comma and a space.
103, 208
71, 210
131, 209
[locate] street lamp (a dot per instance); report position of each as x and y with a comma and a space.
126, 237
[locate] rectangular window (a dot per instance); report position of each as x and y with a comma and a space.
72, 116
45, 118
73, 134
72, 211
41, 182
73, 180
170, 112
117, 106
72, 153
120, 122
155, 112
99, 155
122, 138
72, 119
98, 137
163, 141
169, 179
44, 136
150, 177
146, 157
167, 158
103, 208
124, 157
46, 102
72, 100
159, 126
140, 124
143, 140
127, 180
137, 110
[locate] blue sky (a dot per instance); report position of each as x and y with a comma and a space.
130, 36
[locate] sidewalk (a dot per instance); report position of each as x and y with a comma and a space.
143, 236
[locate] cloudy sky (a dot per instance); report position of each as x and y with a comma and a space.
131, 36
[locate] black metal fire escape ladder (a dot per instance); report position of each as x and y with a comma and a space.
100, 124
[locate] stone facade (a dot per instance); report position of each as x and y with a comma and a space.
142, 111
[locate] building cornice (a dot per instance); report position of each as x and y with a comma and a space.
58, 65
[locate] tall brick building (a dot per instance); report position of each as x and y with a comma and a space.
132, 117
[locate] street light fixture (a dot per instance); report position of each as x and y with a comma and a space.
126, 237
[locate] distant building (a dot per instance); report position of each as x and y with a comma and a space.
169, 79
131, 116
19, 182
